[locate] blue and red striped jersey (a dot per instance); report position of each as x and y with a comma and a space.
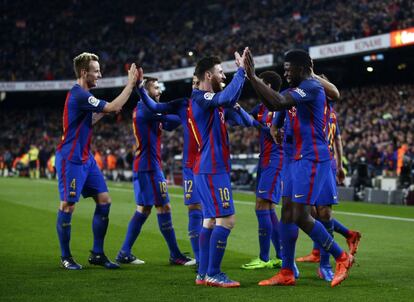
287, 117
270, 152
181, 108
147, 128
77, 124
208, 123
309, 124
333, 128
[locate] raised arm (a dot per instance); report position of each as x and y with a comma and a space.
170, 122
330, 89
238, 116
167, 107
276, 130
273, 100
96, 117
229, 96
340, 174
120, 100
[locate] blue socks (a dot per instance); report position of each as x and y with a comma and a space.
321, 236
167, 230
265, 231
324, 254
340, 228
195, 223
63, 227
134, 228
218, 242
288, 236
275, 233
99, 226
204, 252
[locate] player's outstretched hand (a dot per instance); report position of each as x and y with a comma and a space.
240, 59
132, 75
277, 134
249, 64
140, 76
340, 175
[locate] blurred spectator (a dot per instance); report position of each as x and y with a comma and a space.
162, 35
377, 124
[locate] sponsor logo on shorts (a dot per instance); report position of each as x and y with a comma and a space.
260, 191
299, 195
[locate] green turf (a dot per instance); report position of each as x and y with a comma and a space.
29, 254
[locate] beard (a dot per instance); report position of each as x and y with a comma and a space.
91, 82
216, 85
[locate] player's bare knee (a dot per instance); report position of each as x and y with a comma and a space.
102, 198
287, 212
263, 204
314, 212
146, 210
67, 207
195, 206
209, 223
163, 209
227, 222
324, 213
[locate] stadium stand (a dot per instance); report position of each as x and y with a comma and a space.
179, 30
374, 131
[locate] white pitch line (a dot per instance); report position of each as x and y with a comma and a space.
335, 212
252, 203
374, 216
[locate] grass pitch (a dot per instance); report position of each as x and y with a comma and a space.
29, 253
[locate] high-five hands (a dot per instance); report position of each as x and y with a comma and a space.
249, 64
241, 59
140, 77
132, 75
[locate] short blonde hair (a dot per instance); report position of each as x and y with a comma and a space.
82, 62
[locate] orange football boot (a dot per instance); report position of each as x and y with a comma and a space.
343, 265
314, 257
284, 277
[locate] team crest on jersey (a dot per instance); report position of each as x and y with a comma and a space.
300, 92
221, 114
93, 101
292, 111
209, 95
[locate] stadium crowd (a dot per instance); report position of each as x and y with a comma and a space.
37, 50
375, 133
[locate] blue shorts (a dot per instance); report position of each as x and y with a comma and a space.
328, 195
150, 188
268, 183
75, 179
216, 195
286, 182
190, 193
308, 179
